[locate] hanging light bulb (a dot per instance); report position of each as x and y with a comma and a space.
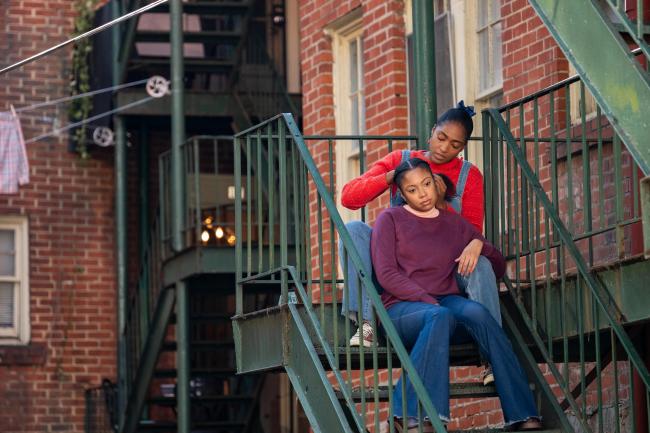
231, 240
205, 236
219, 232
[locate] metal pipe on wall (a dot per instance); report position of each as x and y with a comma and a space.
178, 214
120, 224
425, 70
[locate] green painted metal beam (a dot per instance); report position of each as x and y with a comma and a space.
206, 36
120, 225
550, 410
143, 187
425, 70
178, 124
603, 61
210, 260
602, 296
310, 381
645, 212
195, 104
126, 47
277, 338
183, 404
150, 353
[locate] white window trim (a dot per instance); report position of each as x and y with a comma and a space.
498, 87
342, 32
20, 334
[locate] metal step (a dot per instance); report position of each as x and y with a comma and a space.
456, 390
171, 372
171, 401
209, 8
459, 355
170, 426
498, 430
191, 64
200, 37
170, 346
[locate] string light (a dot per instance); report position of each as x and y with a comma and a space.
205, 236
219, 233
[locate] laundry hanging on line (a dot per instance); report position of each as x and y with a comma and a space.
14, 166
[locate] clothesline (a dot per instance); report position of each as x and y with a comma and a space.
91, 119
80, 95
82, 36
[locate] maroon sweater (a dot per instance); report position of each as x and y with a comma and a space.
414, 257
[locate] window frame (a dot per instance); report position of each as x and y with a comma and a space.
343, 33
494, 86
19, 334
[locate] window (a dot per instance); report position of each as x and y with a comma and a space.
349, 103
489, 42
575, 96
14, 281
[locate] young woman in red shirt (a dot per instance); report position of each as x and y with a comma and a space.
448, 139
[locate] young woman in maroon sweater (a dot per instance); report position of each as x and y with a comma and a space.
416, 249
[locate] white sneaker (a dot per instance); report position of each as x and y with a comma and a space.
368, 335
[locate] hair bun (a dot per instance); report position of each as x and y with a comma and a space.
467, 109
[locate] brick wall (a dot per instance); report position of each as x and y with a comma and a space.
532, 61
69, 204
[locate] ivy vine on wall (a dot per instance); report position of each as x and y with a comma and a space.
80, 81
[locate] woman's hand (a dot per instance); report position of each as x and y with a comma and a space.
469, 257
389, 177
441, 189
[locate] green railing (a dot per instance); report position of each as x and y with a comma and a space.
209, 201
634, 25
141, 304
562, 203
304, 194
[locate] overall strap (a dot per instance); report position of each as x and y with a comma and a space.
396, 198
457, 201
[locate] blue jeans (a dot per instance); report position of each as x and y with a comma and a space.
427, 331
480, 285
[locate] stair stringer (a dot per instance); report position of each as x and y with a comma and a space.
150, 353
549, 408
277, 338
621, 88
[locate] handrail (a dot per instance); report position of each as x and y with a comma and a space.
557, 242
296, 166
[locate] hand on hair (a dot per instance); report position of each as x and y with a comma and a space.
469, 257
441, 189
390, 176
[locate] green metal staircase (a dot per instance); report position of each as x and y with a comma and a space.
572, 300
593, 34
340, 388
228, 71
219, 400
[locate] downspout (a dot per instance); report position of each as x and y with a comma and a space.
178, 223
120, 225
144, 226
425, 70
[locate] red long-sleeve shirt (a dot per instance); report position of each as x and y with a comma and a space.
360, 191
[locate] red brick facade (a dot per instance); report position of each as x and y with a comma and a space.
69, 206
531, 60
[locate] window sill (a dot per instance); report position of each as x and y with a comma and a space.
30, 354
486, 94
